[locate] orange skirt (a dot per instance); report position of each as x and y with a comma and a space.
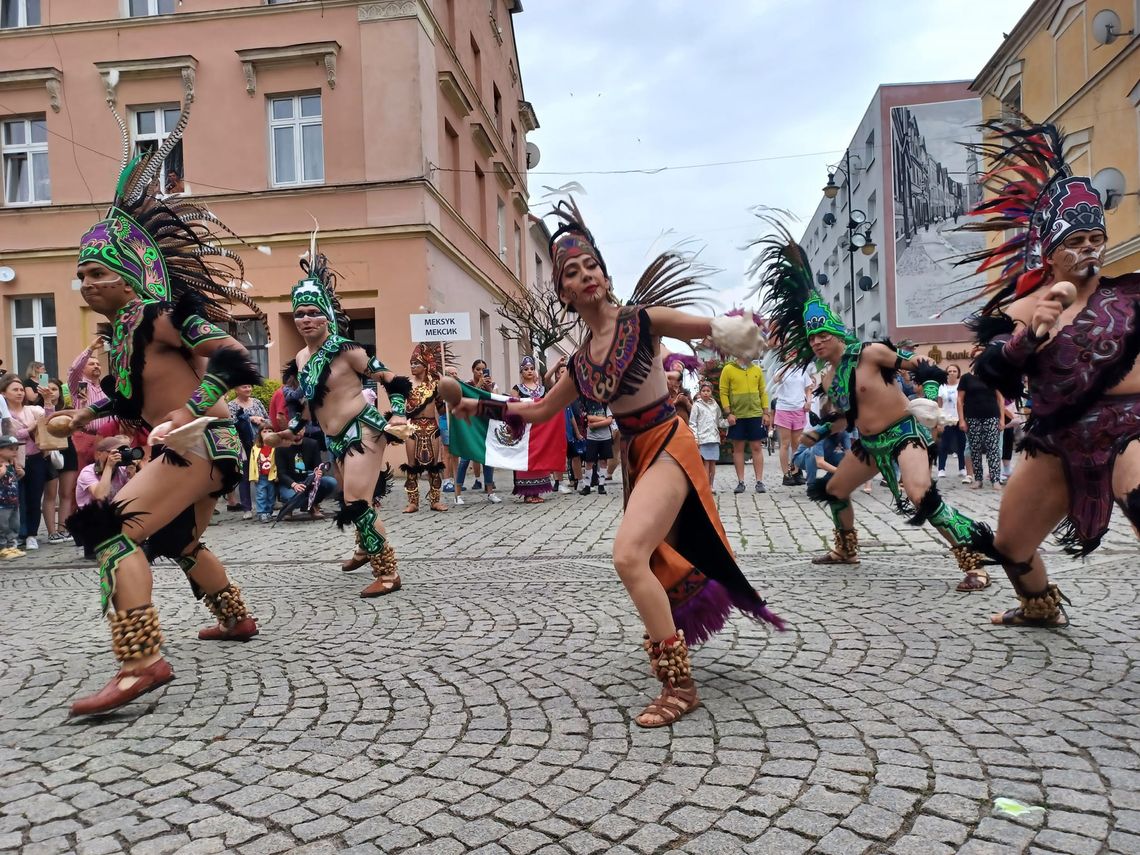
698, 570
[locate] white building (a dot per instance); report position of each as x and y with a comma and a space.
908, 191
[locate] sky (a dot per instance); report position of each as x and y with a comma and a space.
643, 84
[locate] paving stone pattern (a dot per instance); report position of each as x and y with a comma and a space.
486, 708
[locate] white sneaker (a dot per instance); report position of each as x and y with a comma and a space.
459, 500
962, 473
941, 473
32, 543
494, 499
562, 488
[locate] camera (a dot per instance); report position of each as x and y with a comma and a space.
128, 455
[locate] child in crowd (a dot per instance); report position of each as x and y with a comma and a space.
10, 475
704, 420
263, 473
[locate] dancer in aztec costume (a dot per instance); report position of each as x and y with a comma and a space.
151, 267
1053, 319
890, 430
671, 551
329, 370
423, 449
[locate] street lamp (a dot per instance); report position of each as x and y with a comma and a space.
858, 226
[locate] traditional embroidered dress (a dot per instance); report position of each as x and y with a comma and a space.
699, 571
531, 483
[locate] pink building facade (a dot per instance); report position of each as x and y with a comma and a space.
398, 126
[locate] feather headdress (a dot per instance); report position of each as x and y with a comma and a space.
1030, 191
793, 308
166, 248
318, 288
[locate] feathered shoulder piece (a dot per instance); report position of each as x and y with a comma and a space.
793, 308
1025, 163
165, 247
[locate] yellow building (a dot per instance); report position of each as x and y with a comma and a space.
1077, 65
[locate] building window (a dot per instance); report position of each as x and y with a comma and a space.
477, 64
1011, 102
33, 333
297, 140
515, 144
19, 13
869, 149
26, 177
146, 8
502, 219
251, 333
481, 200
150, 128
484, 333
497, 98
538, 271
453, 162
518, 252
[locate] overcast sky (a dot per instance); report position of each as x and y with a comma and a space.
644, 84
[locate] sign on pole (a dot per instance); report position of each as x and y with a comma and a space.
455, 326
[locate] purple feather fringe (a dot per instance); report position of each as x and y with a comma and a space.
692, 363
704, 615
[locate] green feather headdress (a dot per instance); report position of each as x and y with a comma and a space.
794, 309
165, 247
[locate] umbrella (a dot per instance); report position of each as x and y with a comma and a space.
307, 496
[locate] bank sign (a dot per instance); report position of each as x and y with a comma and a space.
440, 327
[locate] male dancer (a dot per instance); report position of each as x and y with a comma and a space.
330, 368
1075, 335
424, 449
889, 428
148, 267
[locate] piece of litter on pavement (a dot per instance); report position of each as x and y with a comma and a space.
1015, 808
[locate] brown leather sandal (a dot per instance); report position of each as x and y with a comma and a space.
669, 706
975, 580
358, 560
382, 585
845, 550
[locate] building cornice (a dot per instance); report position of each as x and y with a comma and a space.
1034, 20
181, 17
1122, 250
372, 233
114, 71
29, 78
454, 94
528, 116
318, 52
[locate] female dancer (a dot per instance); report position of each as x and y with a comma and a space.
530, 485
671, 551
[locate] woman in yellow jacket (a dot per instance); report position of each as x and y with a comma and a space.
263, 473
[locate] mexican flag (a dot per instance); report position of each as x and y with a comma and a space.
539, 447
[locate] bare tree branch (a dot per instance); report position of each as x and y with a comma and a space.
537, 319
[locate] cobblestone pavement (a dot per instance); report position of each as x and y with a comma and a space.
487, 706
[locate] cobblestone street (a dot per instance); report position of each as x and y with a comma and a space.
487, 707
